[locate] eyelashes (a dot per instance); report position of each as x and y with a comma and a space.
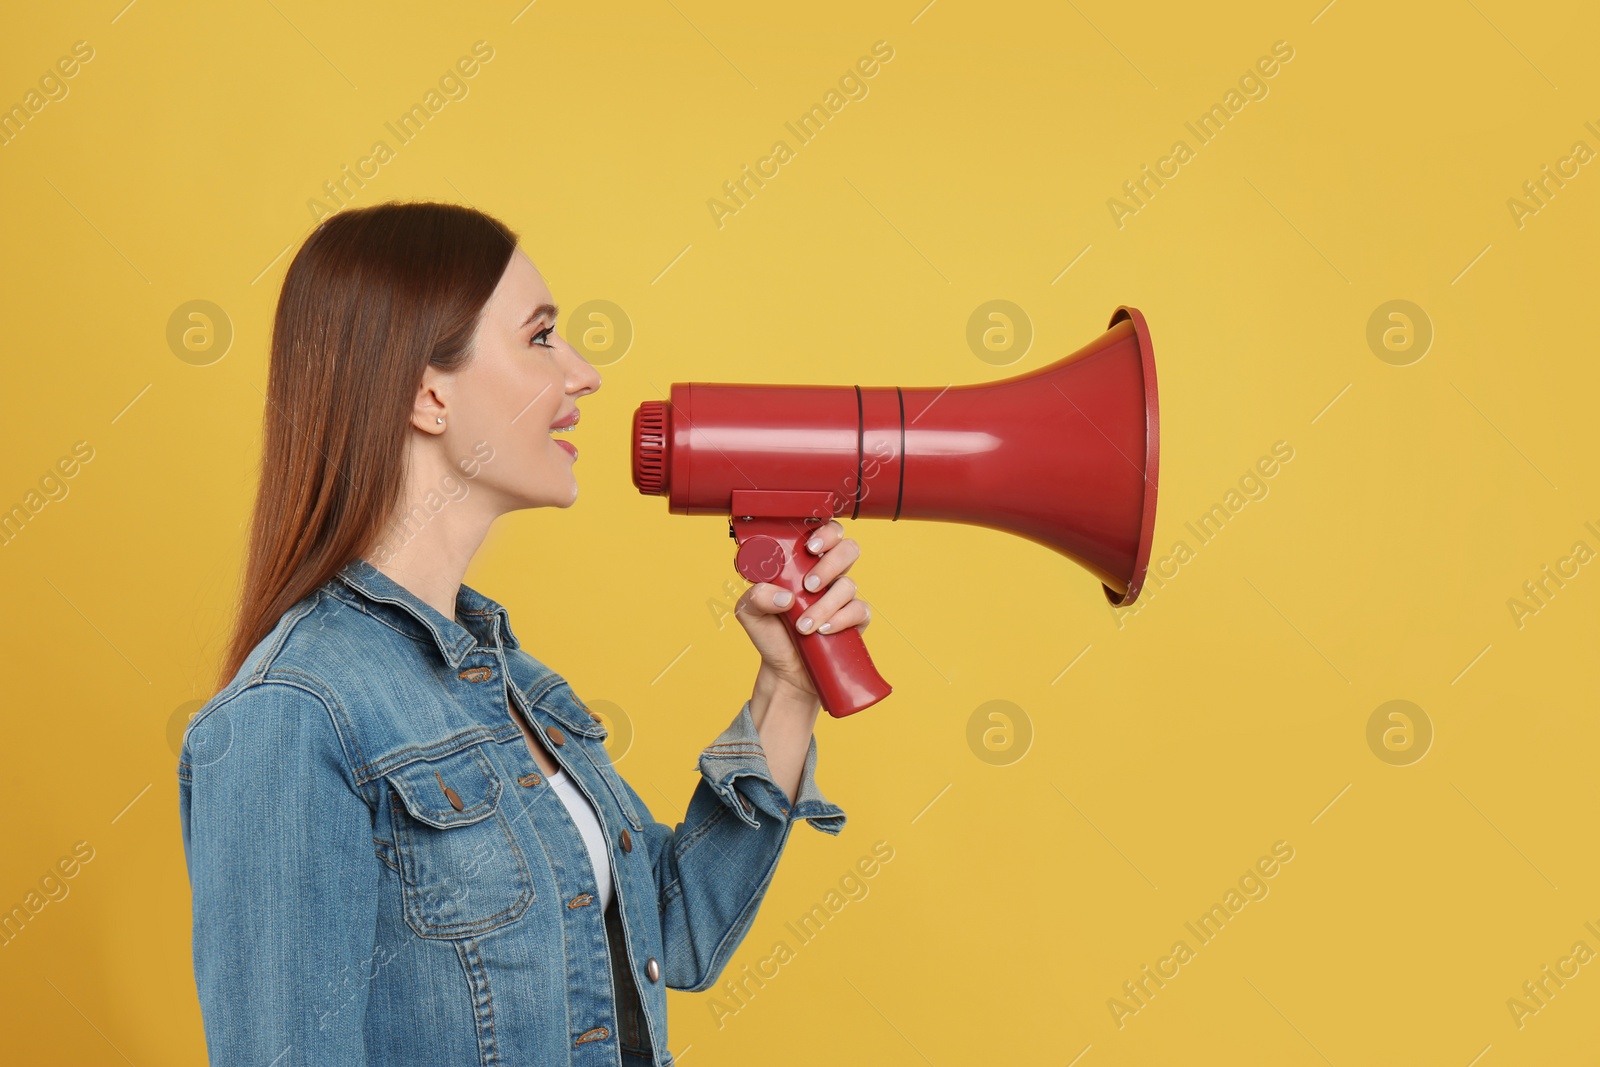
539, 338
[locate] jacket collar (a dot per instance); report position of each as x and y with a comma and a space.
481, 621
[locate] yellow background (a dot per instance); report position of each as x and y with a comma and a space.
1227, 714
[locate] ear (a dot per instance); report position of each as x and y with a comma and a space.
429, 407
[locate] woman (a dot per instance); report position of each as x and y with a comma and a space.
405, 839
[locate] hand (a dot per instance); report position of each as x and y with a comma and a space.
781, 669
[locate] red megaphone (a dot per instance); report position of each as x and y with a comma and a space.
1065, 455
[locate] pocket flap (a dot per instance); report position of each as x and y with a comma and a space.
455, 790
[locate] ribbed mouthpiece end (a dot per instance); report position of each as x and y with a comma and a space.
650, 448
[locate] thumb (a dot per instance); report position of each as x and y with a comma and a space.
764, 598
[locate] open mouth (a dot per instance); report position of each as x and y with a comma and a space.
565, 425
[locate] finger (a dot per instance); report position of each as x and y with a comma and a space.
826, 536
857, 613
834, 562
764, 598
838, 595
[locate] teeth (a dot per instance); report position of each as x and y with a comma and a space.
562, 429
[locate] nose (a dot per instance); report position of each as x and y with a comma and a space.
582, 378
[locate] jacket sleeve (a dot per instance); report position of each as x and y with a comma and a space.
278, 844
713, 869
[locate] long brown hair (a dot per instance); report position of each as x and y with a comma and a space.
373, 296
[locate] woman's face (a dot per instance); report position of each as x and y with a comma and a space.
522, 378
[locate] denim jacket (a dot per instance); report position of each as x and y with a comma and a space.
382, 875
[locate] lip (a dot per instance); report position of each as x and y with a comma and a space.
568, 422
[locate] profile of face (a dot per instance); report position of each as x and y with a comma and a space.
499, 409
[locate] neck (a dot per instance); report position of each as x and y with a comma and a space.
430, 543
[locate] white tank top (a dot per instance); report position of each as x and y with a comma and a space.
589, 826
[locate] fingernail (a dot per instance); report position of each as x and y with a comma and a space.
813, 582
815, 544
783, 598
804, 625
825, 627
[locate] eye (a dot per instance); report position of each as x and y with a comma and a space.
541, 338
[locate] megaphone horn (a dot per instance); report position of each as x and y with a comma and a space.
1066, 456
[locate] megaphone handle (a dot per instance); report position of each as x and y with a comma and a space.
840, 668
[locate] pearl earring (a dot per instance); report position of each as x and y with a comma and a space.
438, 420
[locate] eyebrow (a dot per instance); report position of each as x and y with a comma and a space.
542, 309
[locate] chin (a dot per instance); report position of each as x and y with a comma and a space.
547, 498
552, 501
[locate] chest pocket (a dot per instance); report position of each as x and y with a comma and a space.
462, 872
563, 704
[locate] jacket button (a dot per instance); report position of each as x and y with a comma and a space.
449, 794
653, 969
627, 841
555, 735
528, 780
